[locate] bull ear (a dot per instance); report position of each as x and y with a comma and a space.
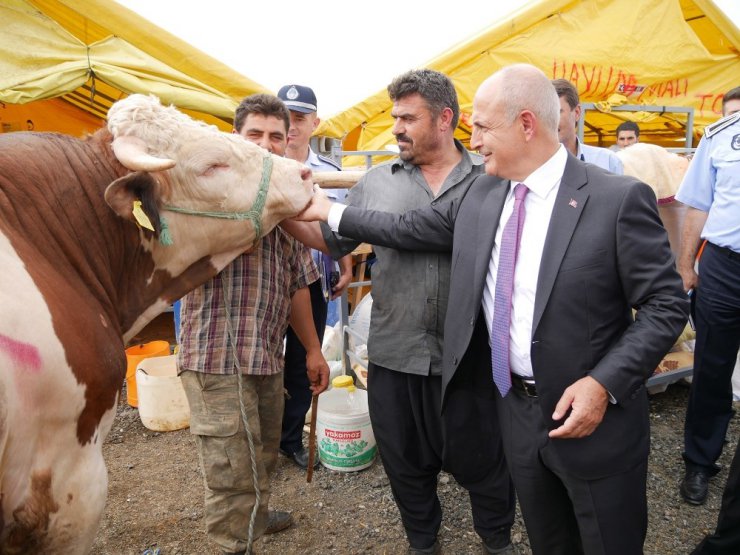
121, 194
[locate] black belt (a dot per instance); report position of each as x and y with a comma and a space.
525, 385
729, 253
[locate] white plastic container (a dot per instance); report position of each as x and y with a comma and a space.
163, 406
343, 433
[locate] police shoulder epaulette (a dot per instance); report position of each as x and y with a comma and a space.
718, 126
329, 161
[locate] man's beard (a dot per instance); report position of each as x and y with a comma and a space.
406, 154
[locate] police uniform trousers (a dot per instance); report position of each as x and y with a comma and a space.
415, 442
726, 538
295, 380
717, 320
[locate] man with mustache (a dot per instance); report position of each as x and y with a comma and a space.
410, 291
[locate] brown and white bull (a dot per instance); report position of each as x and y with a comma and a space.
78, 278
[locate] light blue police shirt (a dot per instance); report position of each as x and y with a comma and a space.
712, 184
321, 164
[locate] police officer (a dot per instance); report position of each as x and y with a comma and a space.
711, 189
301, 101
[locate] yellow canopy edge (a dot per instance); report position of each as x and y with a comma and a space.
90, 53
672, 53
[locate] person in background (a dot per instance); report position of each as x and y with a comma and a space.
711, 189
570, 115
410, 291
301, 103
236, 323
628, 133
568, 359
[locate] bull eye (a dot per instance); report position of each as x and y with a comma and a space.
213, 169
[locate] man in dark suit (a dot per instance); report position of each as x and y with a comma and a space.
592, 248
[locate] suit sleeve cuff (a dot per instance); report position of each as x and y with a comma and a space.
335, 215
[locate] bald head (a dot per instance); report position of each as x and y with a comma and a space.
524, 87
516, 113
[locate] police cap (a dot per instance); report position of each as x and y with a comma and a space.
298, 98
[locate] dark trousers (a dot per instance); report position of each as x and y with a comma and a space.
415, 443
726, 538
565, 515
295, 379
717, 320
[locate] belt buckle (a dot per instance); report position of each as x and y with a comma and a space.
529, 389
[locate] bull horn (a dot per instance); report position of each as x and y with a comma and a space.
131, 152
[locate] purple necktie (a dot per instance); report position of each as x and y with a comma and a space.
501, 325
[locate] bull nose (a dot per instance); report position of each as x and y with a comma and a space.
305, 173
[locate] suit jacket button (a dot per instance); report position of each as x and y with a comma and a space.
472, 321
454, 361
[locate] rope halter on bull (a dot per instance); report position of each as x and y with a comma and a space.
254, 214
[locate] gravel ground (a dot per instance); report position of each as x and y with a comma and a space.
156, 498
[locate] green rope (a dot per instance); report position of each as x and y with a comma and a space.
226, 297
254, 214
165, 237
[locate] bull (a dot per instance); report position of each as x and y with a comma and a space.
97, 237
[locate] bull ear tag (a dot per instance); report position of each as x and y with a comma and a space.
140, 216
143, 220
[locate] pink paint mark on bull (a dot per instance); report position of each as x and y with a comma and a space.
23, 354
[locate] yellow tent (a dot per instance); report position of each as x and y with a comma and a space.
672, 53
64, 62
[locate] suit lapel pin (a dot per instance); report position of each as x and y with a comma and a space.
572, 202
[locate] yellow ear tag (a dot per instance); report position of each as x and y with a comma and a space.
141, 218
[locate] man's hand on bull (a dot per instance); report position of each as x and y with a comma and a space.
317, 370
317, 209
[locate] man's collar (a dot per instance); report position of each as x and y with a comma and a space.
312, 158
579, 151
548, 175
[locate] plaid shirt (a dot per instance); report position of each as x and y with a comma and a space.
259, 286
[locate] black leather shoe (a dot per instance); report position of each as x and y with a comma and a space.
300, 457
499, 543
435, 549
508, 549
278, 521
695, 486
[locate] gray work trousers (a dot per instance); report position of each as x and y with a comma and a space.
215, 420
